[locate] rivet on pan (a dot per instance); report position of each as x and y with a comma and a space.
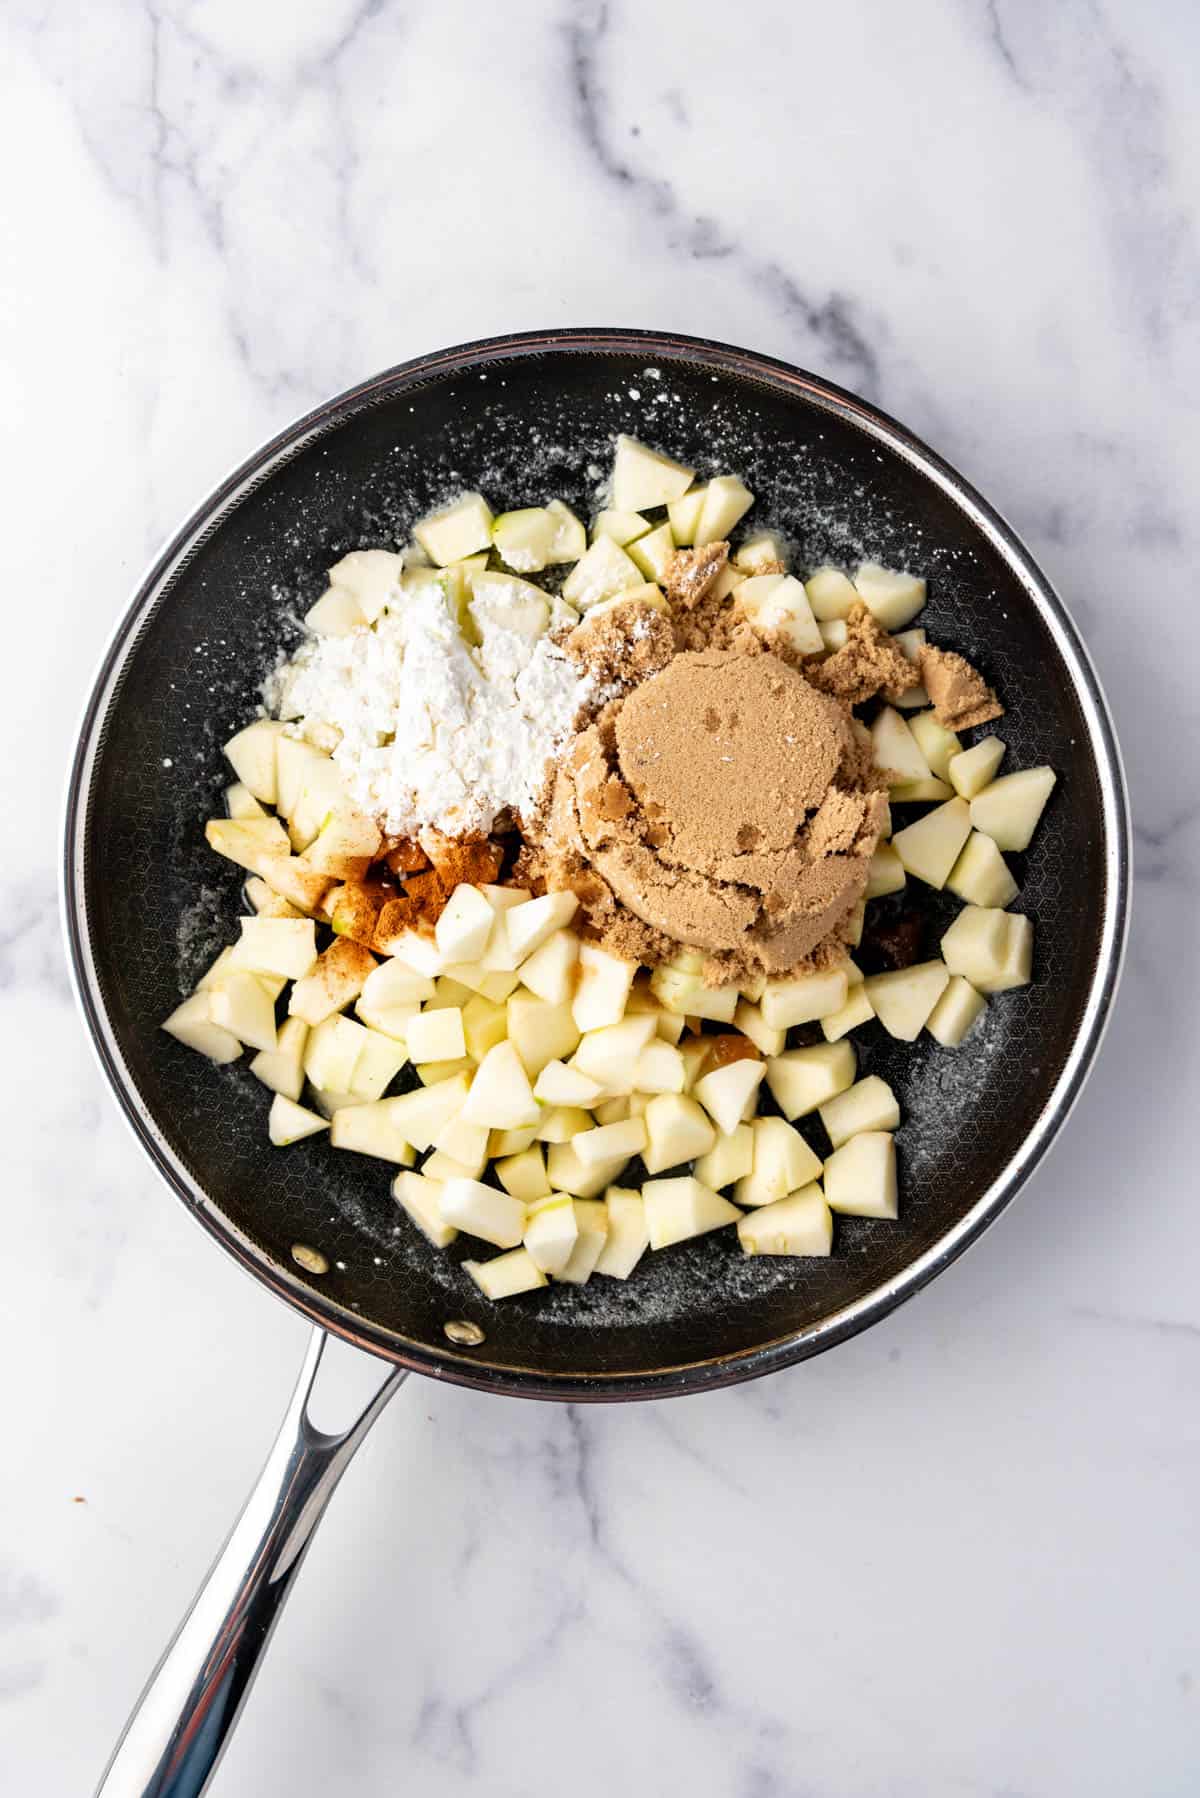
466, 1335
311, 1260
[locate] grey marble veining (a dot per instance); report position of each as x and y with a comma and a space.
958, 1555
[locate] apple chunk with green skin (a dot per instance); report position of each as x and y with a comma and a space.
981, 875
643, 477
860, 1177
551, 1231
783, 1161
506, 1275
930, 847
726, 500
992, 949
288, 1122
483, 1211
956, 1013
868, 1105
800, 1224
501, 1096
677, 1130
937, 744
676, 1210
653, 552
904, 1000
1008, 810
683, 514
802, 1079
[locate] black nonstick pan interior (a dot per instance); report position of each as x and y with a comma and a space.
148, 904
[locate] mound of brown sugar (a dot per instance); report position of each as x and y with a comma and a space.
961, 697
719, 804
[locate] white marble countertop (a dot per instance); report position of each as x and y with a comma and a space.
957, 1555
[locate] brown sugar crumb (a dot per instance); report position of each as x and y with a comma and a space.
691, 573
869, 662
961, 697
624, 643
404, 855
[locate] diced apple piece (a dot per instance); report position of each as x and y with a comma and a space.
677, 1130
660, 1068
437, 1035
610, 1055
466, 1144
285, 946
779, 603
857, 1010
266, 902
652, 552
683, 514
244, 1005
868, 1105
559, 1085
971, 771
855, 922
525, 538
892, 598
379, 1061
591, 1224
628, 1234
434, 1073
800, 1224
559, 1123
678, 1209
602, 987
730, 1158
992, 949
335, 614
687, 995
930, 847
541, 1032
749, 1020
192, 1024
981, 875
1008, 810
834, 635
937, 744
371, 575
419, 1196
885, 873
566, 1173
515, 1142
288, 1122
420, 1115
339, 975
506, 1275
860, 1177
726, 500
920, 792
623, 527
610, 1142
570, 538
465, 924
764, 546
533, 923
524, 1176
501, 1096
603, 570
387, 1020
549, 972
904, 1000
614, 1111
391, 983
484, 1025
251, 754
643, 477
896, 750
803, 1079
804, 999
831, 594
250, 842
282, 1068
729, 1093
371, 1130
956, 1013
551, 1231
456, 530
695, 1054
483, 1211
783, 1161
331, 1053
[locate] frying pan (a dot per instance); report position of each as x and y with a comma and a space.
146, 906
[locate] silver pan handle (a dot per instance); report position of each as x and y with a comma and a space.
186, 1715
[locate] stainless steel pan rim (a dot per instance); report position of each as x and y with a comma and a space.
456, 1365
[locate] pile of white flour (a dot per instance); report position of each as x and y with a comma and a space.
433, 732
